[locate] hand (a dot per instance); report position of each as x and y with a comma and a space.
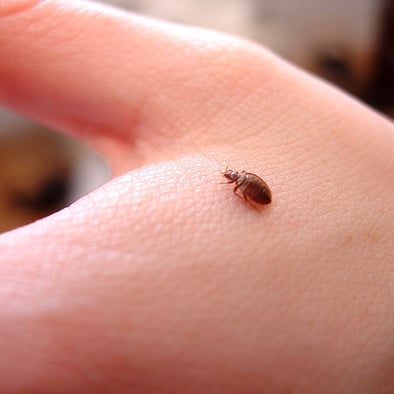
162, 281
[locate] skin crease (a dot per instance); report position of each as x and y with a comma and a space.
162, 281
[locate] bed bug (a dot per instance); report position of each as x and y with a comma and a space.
253, 188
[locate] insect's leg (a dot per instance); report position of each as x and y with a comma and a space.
245, 199
249, 202
235, 192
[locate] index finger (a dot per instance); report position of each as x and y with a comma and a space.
89, 68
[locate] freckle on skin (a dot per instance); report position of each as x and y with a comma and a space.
10, 7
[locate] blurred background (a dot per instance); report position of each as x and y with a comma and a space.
347, 42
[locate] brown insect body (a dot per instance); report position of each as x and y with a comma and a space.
253, 188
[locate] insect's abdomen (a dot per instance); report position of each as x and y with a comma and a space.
256, 190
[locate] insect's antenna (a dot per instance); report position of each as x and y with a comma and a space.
224, 170
222, 173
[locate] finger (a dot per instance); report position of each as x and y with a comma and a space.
85, 67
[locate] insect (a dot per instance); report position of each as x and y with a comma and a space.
253, 188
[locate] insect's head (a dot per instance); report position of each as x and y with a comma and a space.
231, 175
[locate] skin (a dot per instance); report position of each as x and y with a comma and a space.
161, 281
